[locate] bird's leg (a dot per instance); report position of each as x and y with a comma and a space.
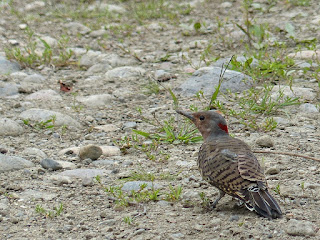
221, 194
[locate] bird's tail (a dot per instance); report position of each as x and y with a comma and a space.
263, 203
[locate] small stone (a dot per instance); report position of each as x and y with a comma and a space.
99, 100
163, 76
75, 28
90, 151
135, 185
45, 95
300, 228
272, 171
23, 26
129, 125
9, 127
83, 173
86, 182
107, 128
308, 108
265, 141
48, 163
226, 5
11, 163
234, 218
109, 151
7, 67
60, 180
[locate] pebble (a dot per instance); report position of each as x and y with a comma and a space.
107, 128
8, 89
104, 162
31, 194
207, 78
10, 127
90, 151
45, 95
60, 180
226, 5
126, 72
163, 76
306, 55
36, 5
48, 163
129, 125
301, 92
300, 228
69, 151
265, 141
11, 163
135, 185
34, 152
42, 115
67, 165
308, 108
83, 173
99, 68
110, 151
100, 100
75, 28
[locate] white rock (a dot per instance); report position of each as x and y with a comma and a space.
45, 95
67, 165
107, 128
42, 115
9, 127
125, 72
19, 76
60, 180
109, 151
34, 152
75, 28
35, 5
10, 163
300, 228
100, 100
307, 54
226, 5
308, 108
303, 93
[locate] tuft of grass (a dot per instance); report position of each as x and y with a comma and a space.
29, 56
57, 211
174, 194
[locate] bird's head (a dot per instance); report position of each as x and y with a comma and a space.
211, 124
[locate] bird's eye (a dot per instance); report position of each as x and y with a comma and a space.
201, 118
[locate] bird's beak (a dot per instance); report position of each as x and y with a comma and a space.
186, 114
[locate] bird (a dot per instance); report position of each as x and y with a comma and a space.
228, 164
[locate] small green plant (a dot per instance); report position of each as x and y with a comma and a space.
128, 220
174, 194
30, 56
57, 211
277, 189
205, 201
75, 106
46, 124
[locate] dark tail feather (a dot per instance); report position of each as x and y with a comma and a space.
264, 204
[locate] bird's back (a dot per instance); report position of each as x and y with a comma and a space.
228, 164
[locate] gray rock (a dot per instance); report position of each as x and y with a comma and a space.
48, 163
75, 28
67, 165
100, 100
300, 92
135, 185
99, 68
8, 89
34, 152
163, 76
207, 78
45, 95
107, 128
83, 173
7, 67
11, 163
129, 125
126, 72
36, 5
34, 78
9, 127
308, 108
90, 151
300, 228
18, 76
60, 180
42, 115
98, 33
90, 58
265, 141
31, 194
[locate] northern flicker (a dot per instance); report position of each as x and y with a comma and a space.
229, 164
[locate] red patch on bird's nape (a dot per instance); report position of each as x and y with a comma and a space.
223, 127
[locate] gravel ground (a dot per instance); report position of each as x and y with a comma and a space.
66, 127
